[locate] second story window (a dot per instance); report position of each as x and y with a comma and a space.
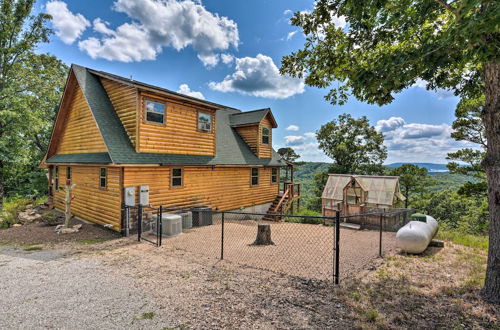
265, 135
255, 176
274, 175
204, 122
68, 173
155, 112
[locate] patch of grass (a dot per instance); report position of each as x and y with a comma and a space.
478, 242
306, 214
5, 243
33, 248
145, 316
41, 200
93, 241
371, 316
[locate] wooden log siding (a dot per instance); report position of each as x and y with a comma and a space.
265, 150
224, 188
102, 206
180, 135
250, 134
124, 100
80, 133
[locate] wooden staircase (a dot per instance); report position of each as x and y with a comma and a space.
274, 209
283, 202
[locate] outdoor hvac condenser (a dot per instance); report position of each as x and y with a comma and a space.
171, 224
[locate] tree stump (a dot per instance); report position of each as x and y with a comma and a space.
263, 235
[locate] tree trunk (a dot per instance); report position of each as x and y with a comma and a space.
263, 235
1, 185
491, 164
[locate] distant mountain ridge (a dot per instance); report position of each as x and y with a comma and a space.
431, 167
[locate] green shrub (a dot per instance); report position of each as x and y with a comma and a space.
306, 213
51, 218
11, 208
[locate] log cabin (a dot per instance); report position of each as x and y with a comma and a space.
112, 132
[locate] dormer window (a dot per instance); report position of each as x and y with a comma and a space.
204, 122
265, 135
155, 112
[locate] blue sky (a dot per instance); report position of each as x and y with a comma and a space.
229, 52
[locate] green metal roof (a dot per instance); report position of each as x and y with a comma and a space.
230, 147
90, 158
250, 117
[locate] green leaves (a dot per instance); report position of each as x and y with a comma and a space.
352, 143
388, 45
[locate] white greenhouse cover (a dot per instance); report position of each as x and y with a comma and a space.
381, 189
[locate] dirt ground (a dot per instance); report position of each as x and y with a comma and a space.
124, 284
39, 232
304, 250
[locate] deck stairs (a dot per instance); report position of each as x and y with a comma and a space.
279, 206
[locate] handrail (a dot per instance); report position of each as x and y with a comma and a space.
286, 193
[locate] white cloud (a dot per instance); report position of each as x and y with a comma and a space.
292, 128
163, 23
310, 135
68, 26
416, 141
294, 140
287, 12
390, 124
129, 43
259, 76
440, 92
227, 58
102, 27
290, 35
184, 89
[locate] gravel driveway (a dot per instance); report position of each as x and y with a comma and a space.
51, 290
122, 284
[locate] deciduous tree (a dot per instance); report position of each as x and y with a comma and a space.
30, 85
412, 179
386, 46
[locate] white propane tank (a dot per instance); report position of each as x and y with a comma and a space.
415, 236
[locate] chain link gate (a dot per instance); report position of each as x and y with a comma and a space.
146, 220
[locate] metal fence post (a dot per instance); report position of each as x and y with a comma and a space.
380, 235
222, 239
159, 225
139, 222
337, 245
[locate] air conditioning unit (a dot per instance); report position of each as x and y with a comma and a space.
207, 127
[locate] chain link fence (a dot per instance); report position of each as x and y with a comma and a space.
314, 247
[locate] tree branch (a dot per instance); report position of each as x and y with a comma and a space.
446, 6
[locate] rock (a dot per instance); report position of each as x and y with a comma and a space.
78, 226
58, 228
68, 231
17, 225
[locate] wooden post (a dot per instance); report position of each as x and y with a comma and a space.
67, 202
263, 235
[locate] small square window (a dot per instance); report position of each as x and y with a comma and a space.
103, 178
155, 112
255, 176
274, 175
177, 177
265, 135
204, 122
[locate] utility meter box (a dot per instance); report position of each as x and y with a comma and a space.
144, 195
130, 196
